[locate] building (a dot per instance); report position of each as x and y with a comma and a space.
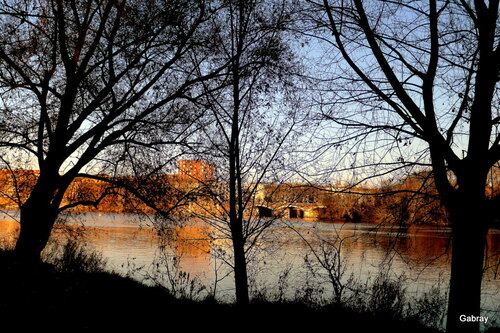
196, 170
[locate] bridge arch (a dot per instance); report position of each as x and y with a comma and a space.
295, 212
291, 212
264, 211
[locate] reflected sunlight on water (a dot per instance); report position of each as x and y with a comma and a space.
420, 252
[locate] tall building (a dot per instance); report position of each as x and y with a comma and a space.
196, 170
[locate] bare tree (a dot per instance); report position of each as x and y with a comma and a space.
327, 262
249, 121
85, 83
416, 84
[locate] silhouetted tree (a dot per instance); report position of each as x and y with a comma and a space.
249, 120
87, 83
416, 83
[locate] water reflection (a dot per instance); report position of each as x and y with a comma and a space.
9, 230
422, 253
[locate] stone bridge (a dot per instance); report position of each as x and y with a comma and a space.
290, 211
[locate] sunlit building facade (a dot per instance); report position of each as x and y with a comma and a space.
197, 170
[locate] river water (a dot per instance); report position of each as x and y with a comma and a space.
420, 254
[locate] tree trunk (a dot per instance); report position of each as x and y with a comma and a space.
38, 215
235, 224
37, 221
468, 251
240, 269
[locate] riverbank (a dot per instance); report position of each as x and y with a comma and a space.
47, 297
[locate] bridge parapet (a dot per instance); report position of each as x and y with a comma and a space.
290, 211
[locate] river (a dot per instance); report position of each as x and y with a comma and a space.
418, 255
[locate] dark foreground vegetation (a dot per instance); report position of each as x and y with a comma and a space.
73, 293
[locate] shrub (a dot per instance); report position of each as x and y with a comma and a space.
430, 308
74, 256
388, 296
